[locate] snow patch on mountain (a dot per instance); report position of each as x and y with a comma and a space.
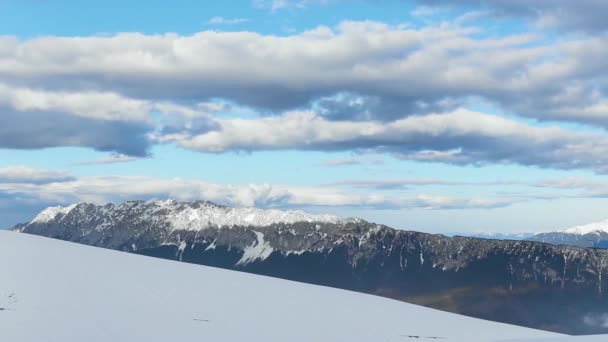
591, 228
259, 250
51, 213
209, 214
194, 216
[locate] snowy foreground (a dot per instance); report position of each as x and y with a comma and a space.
57, 291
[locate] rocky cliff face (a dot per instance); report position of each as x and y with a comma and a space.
559, 288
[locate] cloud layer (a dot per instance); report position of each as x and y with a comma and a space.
55, 187
458, 137
360, 86
582, 15
386, 71
28, 175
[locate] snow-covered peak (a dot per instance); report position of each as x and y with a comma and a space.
194, 215
591, 228
51, 213
199, 215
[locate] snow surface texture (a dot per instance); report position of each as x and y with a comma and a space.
595, 338
56, 291
199, 215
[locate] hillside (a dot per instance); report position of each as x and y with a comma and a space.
531, 284
62, 292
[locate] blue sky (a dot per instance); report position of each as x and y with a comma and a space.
441, 116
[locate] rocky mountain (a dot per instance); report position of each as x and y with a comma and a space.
589, 235
558, 288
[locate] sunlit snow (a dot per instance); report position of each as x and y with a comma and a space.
56, 291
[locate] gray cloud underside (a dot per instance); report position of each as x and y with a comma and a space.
367, 86
35, 130
386, 72
459, 137
581, 15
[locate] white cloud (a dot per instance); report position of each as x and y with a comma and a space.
113, 159
102, 189
584, 187
384, 86
458, 137
34, 118
89, 104
404, 69
28, 175
217, 20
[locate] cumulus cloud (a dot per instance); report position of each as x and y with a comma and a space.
28, 175
35, 130
32, 118
458, 137
378, 71
105, 106
387, 83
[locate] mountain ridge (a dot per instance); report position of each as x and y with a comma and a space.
191, 302
478, 276
593, 235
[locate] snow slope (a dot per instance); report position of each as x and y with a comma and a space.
595, 338
591, 228
56, 291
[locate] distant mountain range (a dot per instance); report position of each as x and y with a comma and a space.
589, 235
593, 235
500, 236
520, 282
